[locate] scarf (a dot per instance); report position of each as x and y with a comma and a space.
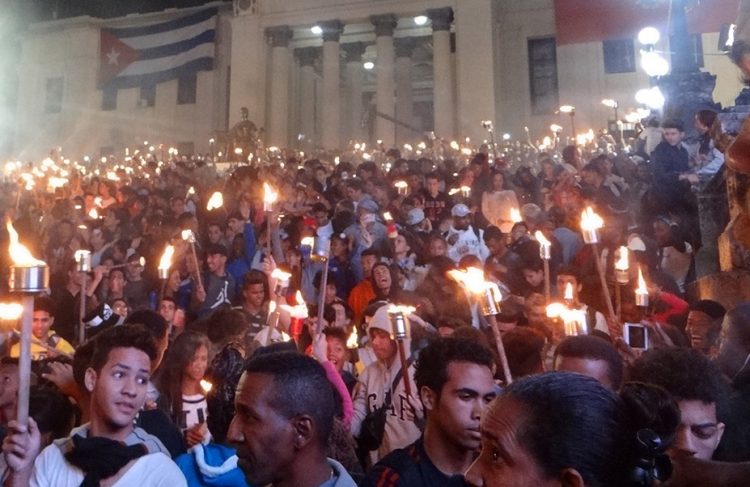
101, 458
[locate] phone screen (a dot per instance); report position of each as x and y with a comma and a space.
637, 336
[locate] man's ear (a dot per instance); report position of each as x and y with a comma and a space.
304, 431
571, 478
89, 379
428, 397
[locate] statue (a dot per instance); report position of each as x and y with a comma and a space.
243, 136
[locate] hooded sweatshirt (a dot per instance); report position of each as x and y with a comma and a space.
211, 465
370, 392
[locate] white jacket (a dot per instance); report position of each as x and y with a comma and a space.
468, 243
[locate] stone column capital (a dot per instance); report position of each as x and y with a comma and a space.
384, 24
441, 18
279, 35
404, 46
307, 55
332, 30
354, 51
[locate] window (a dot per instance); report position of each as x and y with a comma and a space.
148, 95
619, 56
54, 95
543, 75
109, 99
186, 88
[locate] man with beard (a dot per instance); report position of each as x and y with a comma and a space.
454, 378
285, 409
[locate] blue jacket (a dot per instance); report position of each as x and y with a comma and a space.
211, 465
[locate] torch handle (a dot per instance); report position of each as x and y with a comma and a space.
322, 298
24, 361
82, 311
603, 280
500, 349
547, 292
618, 300
404, 367
268, 236
197, 265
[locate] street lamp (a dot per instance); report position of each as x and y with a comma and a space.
571, 111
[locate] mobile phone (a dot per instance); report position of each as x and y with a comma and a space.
636, 335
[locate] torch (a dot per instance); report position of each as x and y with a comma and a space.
321, 254
83, 266
401, 187
621, 276
28, 277
141, 262
545, 252
641, 292
189, 237
281, 284
515, 216
215, 201
489, 294
165, 262
269, 199
590, 225
298, 313
400, 330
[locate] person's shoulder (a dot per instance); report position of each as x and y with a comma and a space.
393, 469
155, 469
140, 435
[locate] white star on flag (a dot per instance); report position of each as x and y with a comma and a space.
112, 56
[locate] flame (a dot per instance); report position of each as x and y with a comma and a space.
93, 214
453, 191
271, 307
280, 275
515, 215
465, 190
641, 289
622, 262
269, 194
556, 310
454, 145
20, 255
568, 295
353, 340
191, 190
215, 201
466, 151
400, 184
399, 308
591, 221
187, 235
299, 310
165, 262
10, 311
308, 242
206, 386
542, 239
387, 216
471, 278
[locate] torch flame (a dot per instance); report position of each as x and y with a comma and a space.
387, 216
568, 295
280, 275
20, 255
591, 221
269, 195
403, 309
308, 242
622, 263
541, 239
165, 262
641, 289
10, 311
515, 215
400, 184
187, 235
353, 340
556, 310
471, 278
93, 214
206, 386
299, 310
215, 201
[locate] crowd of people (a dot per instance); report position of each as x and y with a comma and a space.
267, 350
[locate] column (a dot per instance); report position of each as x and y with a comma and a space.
307, 57
385, 100
404, 47
444, 104
355, 77
278, 106
331, 123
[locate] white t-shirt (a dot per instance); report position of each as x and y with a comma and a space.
152, 470
194, 410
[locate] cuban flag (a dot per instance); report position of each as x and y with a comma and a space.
149, 54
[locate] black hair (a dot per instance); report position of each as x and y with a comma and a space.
569, 270
686, 373
523, 347
151, 320
225, 324
255, 276
81, 361
43, 303
300, 387
593, 348
132, 336
493, 233
431, 369
371, 251
573, 421
672, 123
52, 411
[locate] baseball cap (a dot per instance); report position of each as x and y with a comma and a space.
460, 210
415, 216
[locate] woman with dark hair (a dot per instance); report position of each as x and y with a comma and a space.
404, 250
708, 159
384, 283
562, 428
179, 381
498, 201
